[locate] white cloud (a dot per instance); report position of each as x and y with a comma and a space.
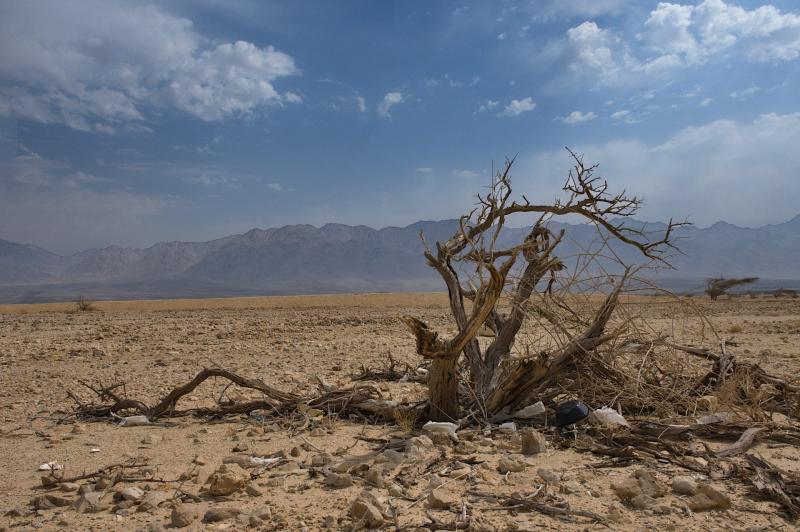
711, 172
391, 99
361, 103
277, 187
97, 65
576, 117
502, 36
745, 93
488, 105
210, 180
677, 36
517, 107
624, 115
706, 102
466, 174
424, 170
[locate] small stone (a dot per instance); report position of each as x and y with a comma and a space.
650, 486
317, 432
45, 502
375, 478
228, 479
240, 447
709, 403
642, 501
254, 521
338, 480
264, 512
364, 512
295, 452
253, 491
151, 500
509, 465
89, 502
533, 441
321, 460
184, 515
68, 487
215, 515
341, 467
708, 498
148, 440
131, 493
395, 490
440, 499
549, 476
617, 515
683, 485
328, 522
627, 488
200, 460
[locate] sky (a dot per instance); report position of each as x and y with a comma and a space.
130, 123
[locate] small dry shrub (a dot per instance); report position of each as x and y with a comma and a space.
735, 329
406, 418
84, 305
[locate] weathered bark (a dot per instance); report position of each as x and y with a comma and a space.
443, 389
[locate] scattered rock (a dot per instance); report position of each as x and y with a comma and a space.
240, 447
228, 479
366, 513
550, 477
683, 485
264, 512
338, 480
509, 465
533, 441
68, 487
642, 501
215, 515
184, 515
45, 502
708, 498
89, 502
321, 460
440, 499
131, 493
708, 403
651, 486
375, 477
627, 488
253, 491
151, 500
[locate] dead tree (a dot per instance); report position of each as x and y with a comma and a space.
494, 382
719, 286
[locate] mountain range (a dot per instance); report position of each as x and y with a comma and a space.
298, 259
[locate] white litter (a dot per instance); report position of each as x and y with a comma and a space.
508, 426
134, 421
608, 417
50, 466
259, 461
530, 411
441, 426
94, 450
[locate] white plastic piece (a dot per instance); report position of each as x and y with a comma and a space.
530, 411
134, 421
94, 450
508, 426
50, 466
259, 461
608, 417
442, 426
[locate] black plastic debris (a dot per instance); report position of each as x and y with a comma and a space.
570, 412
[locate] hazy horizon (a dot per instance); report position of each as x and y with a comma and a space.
132, 123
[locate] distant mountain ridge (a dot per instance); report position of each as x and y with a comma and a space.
337, 257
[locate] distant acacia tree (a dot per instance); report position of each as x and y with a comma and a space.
719, 286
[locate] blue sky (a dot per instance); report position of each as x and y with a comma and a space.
136, 122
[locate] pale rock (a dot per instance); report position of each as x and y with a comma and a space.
89, 502
366, 513
216, 515
321, 460
533, 441
642, 501
626, 488
338, 480
184, 515
131, 493
708, 498
375, 477
151, 500
441, 499
228, 479
509, 465
264, 512
683, 485
549, 476
651, 486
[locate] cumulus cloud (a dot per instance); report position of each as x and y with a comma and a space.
576, 117
678, 36
745, 93
361, 103
424, 170
517, 107
711, 172
390, 100
488, 105
97, 65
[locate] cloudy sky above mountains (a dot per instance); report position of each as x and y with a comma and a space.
133, 122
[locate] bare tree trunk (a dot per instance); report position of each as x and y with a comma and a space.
443, 389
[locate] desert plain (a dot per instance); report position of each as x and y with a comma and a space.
46, 350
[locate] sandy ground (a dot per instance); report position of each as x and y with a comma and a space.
152, 346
